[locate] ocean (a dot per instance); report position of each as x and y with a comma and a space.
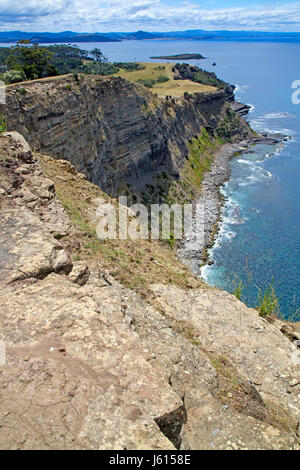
259, 238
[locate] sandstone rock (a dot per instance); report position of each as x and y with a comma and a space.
225, 325
118, 393
79, 274
60, 261
213, 427
27, 249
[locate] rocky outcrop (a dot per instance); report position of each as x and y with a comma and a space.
115, 132
31, 216
240, 108
91, 365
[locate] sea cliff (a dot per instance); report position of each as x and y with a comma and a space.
116, 132
115, 344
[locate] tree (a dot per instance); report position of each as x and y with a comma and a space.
35, 62
68, 59
24, 41
98, 56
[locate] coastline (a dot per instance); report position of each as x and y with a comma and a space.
212, 201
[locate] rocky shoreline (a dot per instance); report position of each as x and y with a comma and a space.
193, 249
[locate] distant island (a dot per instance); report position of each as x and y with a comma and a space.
180, 57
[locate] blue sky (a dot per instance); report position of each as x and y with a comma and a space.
149, 15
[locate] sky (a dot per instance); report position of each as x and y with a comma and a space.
148, 15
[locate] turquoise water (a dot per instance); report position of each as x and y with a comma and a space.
260, 236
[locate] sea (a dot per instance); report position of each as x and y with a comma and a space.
259, 239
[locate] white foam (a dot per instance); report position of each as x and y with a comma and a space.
231, 235
256, 168
279, 116
241, 88
260, 124
246, 162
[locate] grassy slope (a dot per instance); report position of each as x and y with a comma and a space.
200, 159
175, 88
136, 264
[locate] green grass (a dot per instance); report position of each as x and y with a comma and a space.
160, 78
229, 125
238, 289
201, 156
268, 302
3, 124
134, 263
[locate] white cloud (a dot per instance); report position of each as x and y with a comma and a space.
130, 15
31, 8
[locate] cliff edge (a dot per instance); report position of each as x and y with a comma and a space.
96, 359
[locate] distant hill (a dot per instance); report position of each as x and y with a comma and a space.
50, 38
199, 34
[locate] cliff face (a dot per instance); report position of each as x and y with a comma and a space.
92, 365
115, 344
114, 131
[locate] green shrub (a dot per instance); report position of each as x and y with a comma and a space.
99, 68
162, 79
171, 241
13, 76
268, 302
149, 83
3, 124
129, 66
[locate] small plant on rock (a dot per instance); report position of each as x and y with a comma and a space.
3, 124
268, 302
238, 289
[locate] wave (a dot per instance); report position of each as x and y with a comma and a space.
260, 171
232, 214
241, 88
279, 116
246, 162
262, 123
261, 126
253, 179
